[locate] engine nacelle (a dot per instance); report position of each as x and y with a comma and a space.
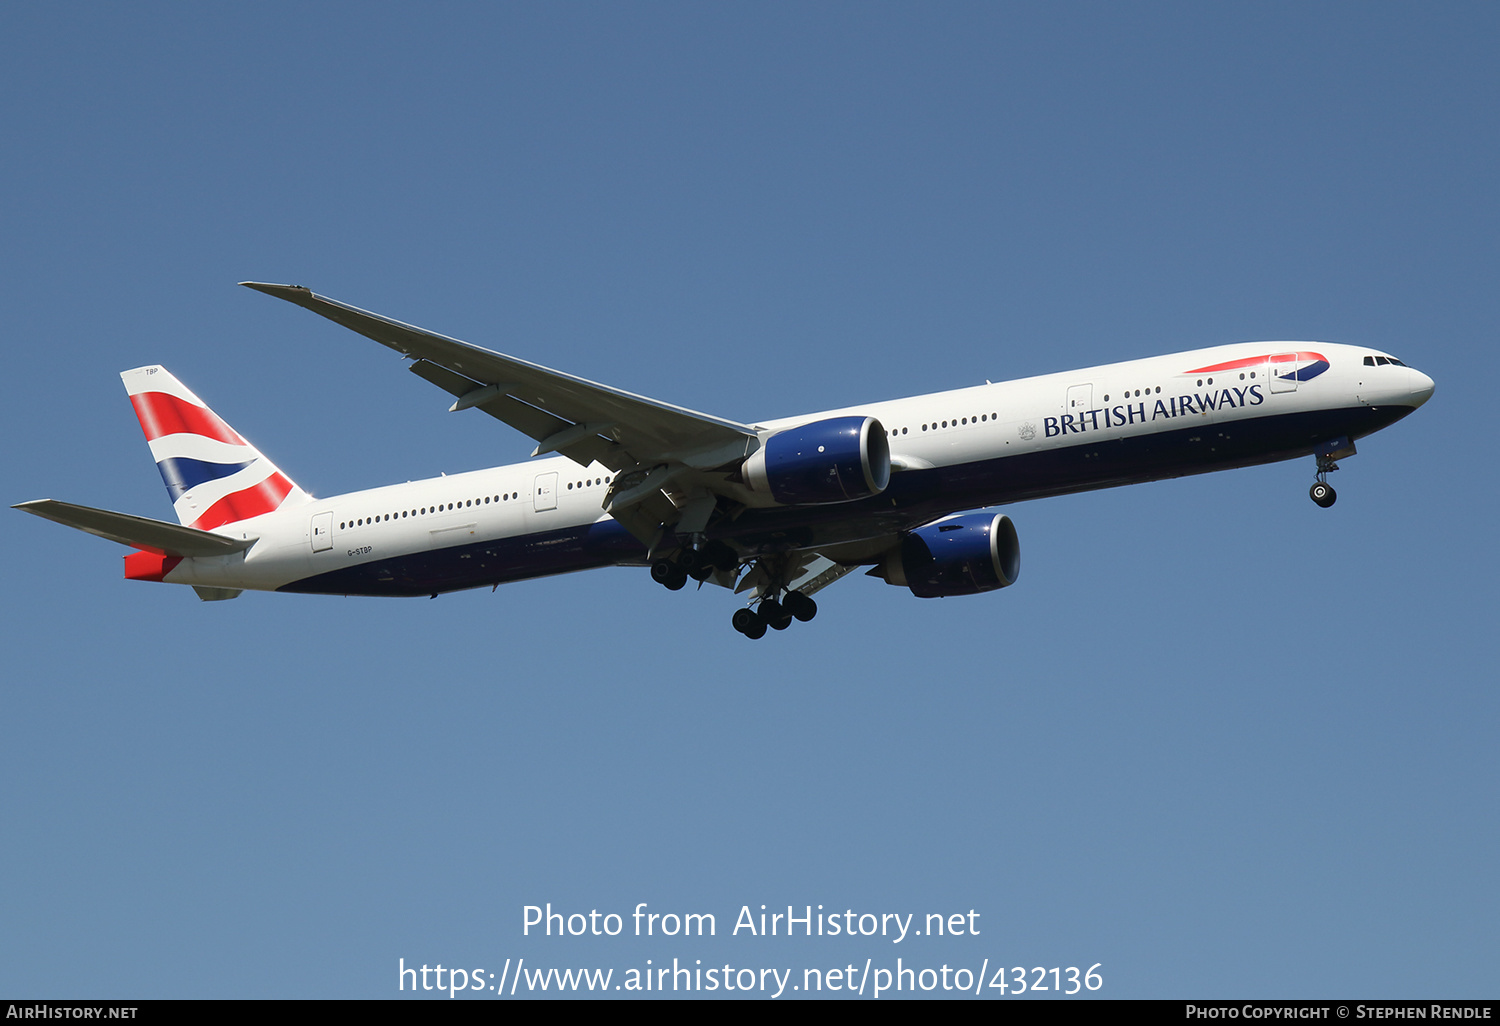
827, 461
962, 555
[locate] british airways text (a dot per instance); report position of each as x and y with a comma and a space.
1172, 406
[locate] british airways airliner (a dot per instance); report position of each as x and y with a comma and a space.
775, 511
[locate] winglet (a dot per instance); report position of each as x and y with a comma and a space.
299, 294
280, 291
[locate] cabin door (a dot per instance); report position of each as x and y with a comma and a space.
545, 497
322, 532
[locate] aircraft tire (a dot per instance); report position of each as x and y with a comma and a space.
775, 615
1323, 494
801, 606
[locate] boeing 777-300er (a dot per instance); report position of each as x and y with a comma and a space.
775, 511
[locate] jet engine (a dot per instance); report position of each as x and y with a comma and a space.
962, 555
836, 460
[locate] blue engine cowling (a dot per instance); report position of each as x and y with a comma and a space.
963, 555
836, 460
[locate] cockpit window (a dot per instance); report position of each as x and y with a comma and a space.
1382, 361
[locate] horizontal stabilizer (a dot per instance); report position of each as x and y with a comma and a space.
142, 533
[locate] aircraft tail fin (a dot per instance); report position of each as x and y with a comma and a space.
213, 476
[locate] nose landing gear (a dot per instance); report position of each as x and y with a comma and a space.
1322, 492
1335, 449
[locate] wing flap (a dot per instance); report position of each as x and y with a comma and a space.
142, 533
808, 572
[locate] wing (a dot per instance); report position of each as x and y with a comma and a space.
670, 463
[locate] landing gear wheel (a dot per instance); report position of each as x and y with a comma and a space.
801, 606
668, 574
702, 573
775, 615
748, 623
1323, 494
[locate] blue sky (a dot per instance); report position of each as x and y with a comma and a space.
1216, 739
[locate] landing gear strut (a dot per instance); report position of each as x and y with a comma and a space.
1322, 492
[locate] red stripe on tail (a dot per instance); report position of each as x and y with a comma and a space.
163, 414
246, 503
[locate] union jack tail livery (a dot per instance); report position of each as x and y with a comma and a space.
213, 476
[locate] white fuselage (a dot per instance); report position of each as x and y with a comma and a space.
1140, 420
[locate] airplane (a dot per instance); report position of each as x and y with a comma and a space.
775, 510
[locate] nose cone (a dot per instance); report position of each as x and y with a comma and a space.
1421, 387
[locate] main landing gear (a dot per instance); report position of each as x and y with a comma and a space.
700, 563
697, 563
752, 623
